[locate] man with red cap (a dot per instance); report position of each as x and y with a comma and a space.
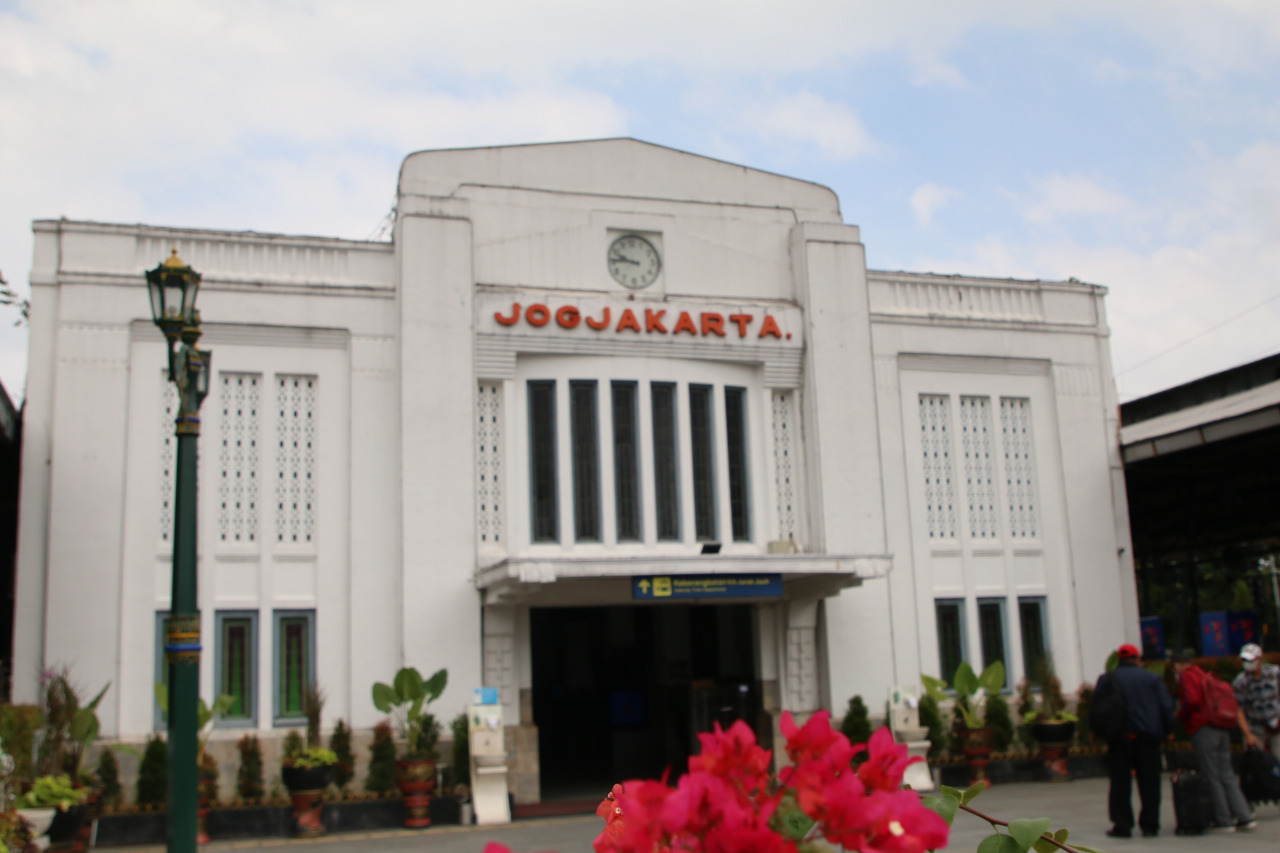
1133, 711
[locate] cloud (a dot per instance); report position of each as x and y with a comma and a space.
809, 119
928, 199
1060, 197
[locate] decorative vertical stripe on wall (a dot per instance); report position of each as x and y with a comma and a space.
939, 468
489, 462
295, 459
168, 455
979, 473
1019, 467
238, 458
784, 464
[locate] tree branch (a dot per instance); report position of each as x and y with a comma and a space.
995, 822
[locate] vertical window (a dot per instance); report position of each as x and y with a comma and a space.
236, 654
939, 472
701, 455
980, 484
586, 460
950, 616
295, 459
735, 427
626, 462
1032, 621
991, 628
542, 461
1019, 467
295, 661
238, 459
666, 483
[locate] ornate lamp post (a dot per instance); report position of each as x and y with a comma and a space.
172, 287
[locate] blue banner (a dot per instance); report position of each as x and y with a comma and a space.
672, 587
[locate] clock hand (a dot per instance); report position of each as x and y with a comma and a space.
620, 258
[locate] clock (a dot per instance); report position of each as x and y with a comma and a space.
633, 261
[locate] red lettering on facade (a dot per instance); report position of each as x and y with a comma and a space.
628, 321
602, 323
508, 321
537, 315
712, 324
769, 327
741, 321
568, 317
685, 324
653, 321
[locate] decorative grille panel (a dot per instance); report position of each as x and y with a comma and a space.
1019, 467
296, 460
168, 455
980, 486
939, 468
238, 458
489, 473
783, 465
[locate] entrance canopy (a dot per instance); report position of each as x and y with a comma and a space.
610, 580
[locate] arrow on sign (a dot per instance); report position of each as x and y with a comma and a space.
644, 587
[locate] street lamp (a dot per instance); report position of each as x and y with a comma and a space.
172, 287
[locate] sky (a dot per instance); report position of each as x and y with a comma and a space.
1133, 144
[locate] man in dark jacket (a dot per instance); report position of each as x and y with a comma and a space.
1135, 750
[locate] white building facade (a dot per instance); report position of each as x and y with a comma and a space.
630, 434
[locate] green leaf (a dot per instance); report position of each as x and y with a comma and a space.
1043, 845
992, 677
945, 807
999, 844
966, 682
1061, 836
1026, 830
1084, 849
1113, 661
93, 705
1067, 716
971, 793
84, 725
162, 698
408, 684
223, 704
384, 698
435, 685
951, 792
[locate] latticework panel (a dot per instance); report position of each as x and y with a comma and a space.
979, 474
240, 395
489, 475
1019, 467
296, 460
939, 467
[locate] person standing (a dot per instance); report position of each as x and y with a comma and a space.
1257, 690
1144, 718
1212, 747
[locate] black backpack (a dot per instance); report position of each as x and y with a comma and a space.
1107, 713
1259, 776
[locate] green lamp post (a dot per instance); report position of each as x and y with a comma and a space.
173, 286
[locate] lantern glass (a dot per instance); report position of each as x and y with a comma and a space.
172, 287
206, 370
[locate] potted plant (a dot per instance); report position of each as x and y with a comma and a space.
308, 769
1050, 721
969, 688
54, 805
406, 699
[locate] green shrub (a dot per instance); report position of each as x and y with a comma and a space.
999, 721
460, 756
293, 745
931, 719
109, 777
18, 727
382, 761
249, 777
153, 773
59, 703
340, 743
856, 725
1084, 699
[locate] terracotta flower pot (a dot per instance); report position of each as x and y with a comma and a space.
976, 744
306, 792
416, 778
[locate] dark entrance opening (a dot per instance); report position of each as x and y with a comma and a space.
621, 692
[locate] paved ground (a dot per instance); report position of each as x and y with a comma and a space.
1080, 806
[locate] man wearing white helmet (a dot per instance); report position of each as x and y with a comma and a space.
1258, 694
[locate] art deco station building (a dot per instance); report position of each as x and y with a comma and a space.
631, 434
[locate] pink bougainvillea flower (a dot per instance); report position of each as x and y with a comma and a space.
735, 757
886, 763
899, 823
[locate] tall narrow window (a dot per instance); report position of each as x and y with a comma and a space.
236, 653
626, 462
991, 627
939, 472
666, 483
295, 459
238, 459
586, 461
1019, 467
735, 429
980, 484
1031, 618
701, 455
950, 615
295, 661
542, 461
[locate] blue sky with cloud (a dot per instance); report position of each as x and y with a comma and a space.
1134, 145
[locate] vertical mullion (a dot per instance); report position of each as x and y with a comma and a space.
645, 461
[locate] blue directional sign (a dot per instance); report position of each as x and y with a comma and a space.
674, 587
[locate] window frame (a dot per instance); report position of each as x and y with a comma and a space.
221, 617
1041, 604
584, 458
279, 718
544, 457
961, 637
628, 489
1000, 604
737, 442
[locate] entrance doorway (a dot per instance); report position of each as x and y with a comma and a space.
621, 692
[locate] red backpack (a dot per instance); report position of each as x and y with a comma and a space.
1220, 704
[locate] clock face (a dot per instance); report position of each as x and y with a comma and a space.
633, 261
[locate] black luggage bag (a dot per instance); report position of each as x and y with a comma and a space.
1192, 802
1259, 776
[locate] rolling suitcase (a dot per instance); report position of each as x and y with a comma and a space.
1259, 776
1192, 802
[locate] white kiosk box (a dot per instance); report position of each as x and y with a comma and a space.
488, 758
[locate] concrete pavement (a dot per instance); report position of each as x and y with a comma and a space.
1080, 805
